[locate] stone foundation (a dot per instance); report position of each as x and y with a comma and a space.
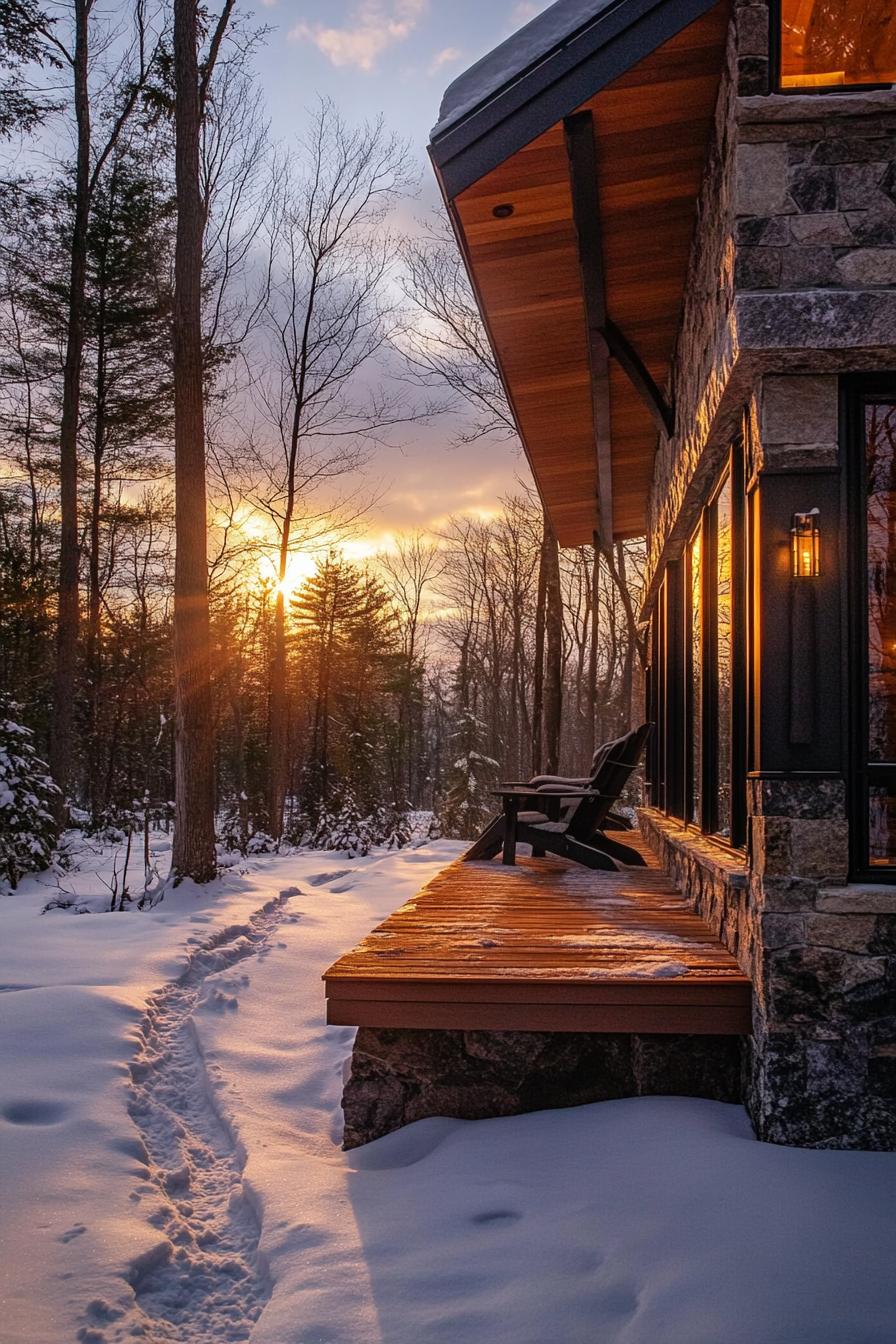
824, 1018
821, 953
398, 1076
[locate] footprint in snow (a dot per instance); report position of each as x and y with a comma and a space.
322, 879
496, 1216
34, 1112
218, 1002
72, 1232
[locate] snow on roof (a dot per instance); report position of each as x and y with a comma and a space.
524, 49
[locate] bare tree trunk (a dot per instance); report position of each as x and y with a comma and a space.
96, 796
553, 669
634, 649
277, 761
68, 612
194, 832
538, 672
592, 650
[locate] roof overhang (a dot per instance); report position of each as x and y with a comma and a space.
594, 127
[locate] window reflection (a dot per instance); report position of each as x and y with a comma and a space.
696, 688
825, 43
880, 458
723, 656
881, 827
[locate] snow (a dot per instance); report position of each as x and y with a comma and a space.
552, 28
169, 1134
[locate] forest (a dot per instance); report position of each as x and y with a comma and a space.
206, 335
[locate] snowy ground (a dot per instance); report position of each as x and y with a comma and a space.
171, 1171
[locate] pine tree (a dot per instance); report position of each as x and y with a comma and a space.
127, 395
348, 644
24, 42
27, 800
468, 802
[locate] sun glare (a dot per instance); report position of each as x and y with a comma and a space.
299, 568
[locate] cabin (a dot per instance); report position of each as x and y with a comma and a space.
679, 221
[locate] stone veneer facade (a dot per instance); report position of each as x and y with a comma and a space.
791, 285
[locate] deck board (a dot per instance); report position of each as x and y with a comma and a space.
544, 946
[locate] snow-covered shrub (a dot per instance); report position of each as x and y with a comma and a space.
392, 827
27, 796
342, 827
468, 804
231, 827
261, 843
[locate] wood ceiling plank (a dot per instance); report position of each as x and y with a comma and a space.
652, 128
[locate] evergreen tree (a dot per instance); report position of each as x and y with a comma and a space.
468, 803
347, 644
27, 799
24, 41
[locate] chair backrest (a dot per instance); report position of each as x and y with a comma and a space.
612, 768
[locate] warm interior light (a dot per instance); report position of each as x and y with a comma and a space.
832, 43
805, 545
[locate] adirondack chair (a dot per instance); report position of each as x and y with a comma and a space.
572, 816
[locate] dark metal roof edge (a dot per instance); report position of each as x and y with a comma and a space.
554, 86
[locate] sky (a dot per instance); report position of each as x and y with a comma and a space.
395, 58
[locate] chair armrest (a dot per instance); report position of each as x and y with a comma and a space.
577, 781
524, 791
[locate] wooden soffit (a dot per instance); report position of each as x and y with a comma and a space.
651, 131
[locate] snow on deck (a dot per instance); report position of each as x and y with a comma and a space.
546, 945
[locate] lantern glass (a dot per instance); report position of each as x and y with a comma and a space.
805, 545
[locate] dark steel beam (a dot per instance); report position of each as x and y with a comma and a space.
580, 148
640, 378
604, 337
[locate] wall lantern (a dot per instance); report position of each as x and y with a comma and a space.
805, 545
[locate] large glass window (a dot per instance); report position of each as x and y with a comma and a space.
723, 652
836, 43
695, 680
706, 668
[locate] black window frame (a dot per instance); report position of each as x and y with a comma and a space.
776, 20
856, 391
672, 674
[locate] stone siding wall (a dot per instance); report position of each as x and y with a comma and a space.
398, 1076
816, 194
793, 269
706, 350
714, 882
824, 976
798, 423
821, 953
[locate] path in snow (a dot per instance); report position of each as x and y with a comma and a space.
207, 1283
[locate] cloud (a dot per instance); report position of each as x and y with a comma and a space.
524, 11
447, 56
372, 26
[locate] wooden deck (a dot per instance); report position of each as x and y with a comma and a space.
544, 946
